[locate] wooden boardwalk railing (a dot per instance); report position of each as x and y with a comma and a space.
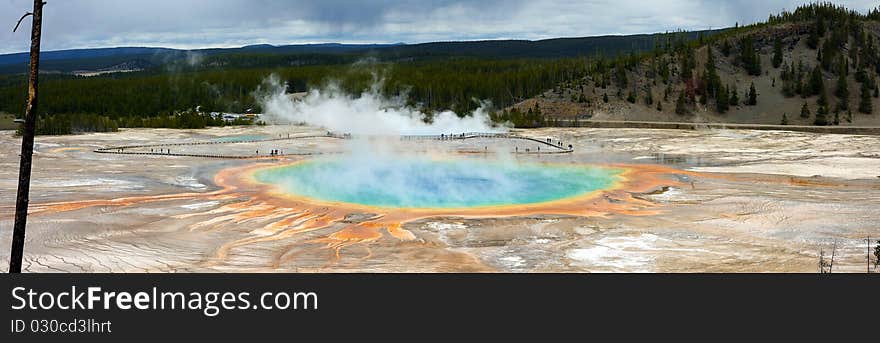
557, 148
121, 149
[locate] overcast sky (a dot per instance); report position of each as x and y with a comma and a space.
229, 23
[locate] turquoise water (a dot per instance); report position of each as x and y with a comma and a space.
426, 183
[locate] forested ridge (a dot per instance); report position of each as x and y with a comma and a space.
816, 65
432, 85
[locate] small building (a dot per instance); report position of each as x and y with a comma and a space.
235, 116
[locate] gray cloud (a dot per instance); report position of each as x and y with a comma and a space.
219, 23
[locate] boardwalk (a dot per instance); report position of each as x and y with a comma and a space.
556, 145
551, 146
165, 149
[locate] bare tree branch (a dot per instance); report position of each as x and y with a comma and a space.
20, 19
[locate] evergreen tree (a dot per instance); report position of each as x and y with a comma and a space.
821, 116
620, 76
816, 81
777, 53
784, 120
712, 81
788, 81
722, 102
734, 96
805, 111
829, 52
753, 95
605, 98
861, 75
813, 39
689, 63
822, 111
749, 56
865, 104
680, 104
823, 98
836, 118
631, 97
842, 91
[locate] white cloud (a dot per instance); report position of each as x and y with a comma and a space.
206, 23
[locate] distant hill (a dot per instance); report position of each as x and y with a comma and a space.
23, 57
817, 65
68, 61
547, 48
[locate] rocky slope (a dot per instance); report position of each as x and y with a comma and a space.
852, 40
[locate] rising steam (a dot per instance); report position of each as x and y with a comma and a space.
376, 160
370, 113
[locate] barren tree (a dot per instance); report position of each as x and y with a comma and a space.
27, 140
833, 250
823, 265
826, 266
877, 254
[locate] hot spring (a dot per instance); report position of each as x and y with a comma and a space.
420, 182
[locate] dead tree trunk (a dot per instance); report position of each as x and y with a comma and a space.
27, 142
833, 250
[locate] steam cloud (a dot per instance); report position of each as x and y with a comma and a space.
194, 58
370, 113
375, 161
